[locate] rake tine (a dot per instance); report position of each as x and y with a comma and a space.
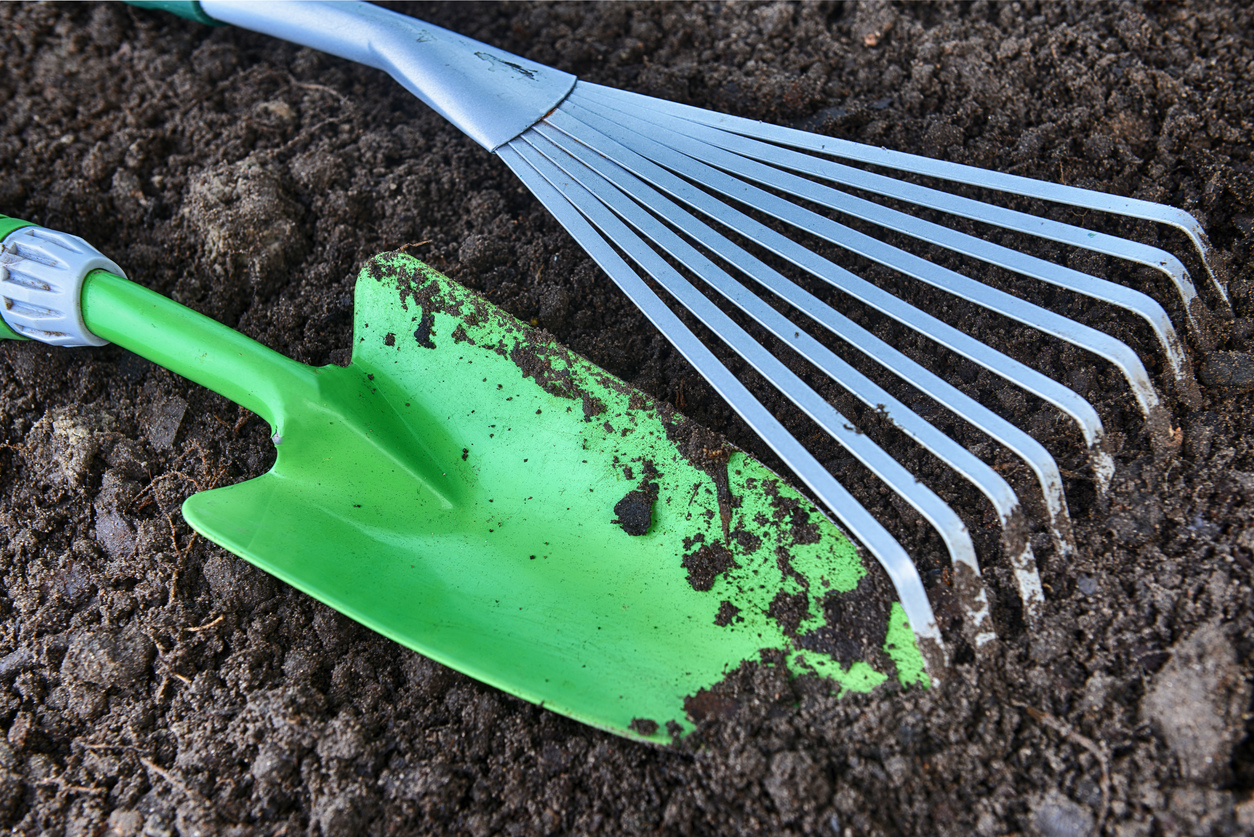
963, 461
592, 130
985, 478
1014, 184
949, 526
749, 159
877, 540
686, 157
947, 202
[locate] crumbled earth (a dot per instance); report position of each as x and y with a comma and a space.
150, 683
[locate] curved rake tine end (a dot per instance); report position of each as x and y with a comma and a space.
1031, 591
1218, 266
935, 655
1063, 538
1103, 470
1017, 546
1165, 438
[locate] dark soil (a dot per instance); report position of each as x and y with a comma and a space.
152, 683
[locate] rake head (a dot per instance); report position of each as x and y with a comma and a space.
745, 226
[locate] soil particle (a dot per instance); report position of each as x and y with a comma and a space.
1195, 700
111, 659
164, 422
746, 541
534, 355
706, 564
708, 705
855, 623
1057, 816
1228, 369
65, 443
644, 726
115, 534
635, 510
727, 613
796, 784
422, 334
789, 609
249, 225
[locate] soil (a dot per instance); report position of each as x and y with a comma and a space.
152, 683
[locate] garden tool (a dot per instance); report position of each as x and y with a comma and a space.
473, 491
750, 229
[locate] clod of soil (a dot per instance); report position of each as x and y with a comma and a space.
705, 564
635, 511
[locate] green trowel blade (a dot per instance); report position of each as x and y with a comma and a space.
477, 493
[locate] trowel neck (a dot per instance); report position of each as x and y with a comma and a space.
194, 346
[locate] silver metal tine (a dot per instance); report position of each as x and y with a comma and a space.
949, 526
630, 200
686, 158
1086, 199
747, 149
591, 130
874, 537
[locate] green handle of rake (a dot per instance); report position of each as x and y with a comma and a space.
188, 9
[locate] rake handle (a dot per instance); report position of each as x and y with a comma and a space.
189, 9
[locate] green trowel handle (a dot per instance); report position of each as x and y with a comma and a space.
11, 225
195, 346
189, 9
187, 343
